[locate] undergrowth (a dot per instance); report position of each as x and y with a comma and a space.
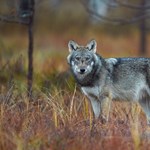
60, 119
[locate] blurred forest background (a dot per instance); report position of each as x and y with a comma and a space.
121, 29
40, 104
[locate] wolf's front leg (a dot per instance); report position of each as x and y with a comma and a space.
101, 108
105, 108
96, 107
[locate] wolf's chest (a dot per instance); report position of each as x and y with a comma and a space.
91, 91
95, 92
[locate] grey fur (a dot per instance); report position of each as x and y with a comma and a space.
102, 80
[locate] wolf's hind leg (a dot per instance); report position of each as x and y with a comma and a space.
145, 104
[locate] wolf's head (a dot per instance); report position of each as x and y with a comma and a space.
82, 59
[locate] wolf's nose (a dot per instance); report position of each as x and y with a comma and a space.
82, 70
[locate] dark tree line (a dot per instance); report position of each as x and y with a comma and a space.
139, 15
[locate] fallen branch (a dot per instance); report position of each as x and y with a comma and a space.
13, 19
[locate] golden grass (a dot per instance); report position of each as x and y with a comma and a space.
63, 120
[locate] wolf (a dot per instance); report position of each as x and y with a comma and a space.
103, 80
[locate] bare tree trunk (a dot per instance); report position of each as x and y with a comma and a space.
30, 49
26, 14
143, 35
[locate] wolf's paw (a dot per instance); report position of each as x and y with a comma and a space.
103, 120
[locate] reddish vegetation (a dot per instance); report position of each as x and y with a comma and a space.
45, 123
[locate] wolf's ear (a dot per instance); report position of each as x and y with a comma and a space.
92, 46
72, 46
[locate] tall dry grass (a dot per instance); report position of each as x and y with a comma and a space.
61, 119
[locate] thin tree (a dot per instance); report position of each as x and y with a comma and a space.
25, 16
30, 47
139, 15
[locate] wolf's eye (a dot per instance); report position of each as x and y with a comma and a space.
77, 58
87, 58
